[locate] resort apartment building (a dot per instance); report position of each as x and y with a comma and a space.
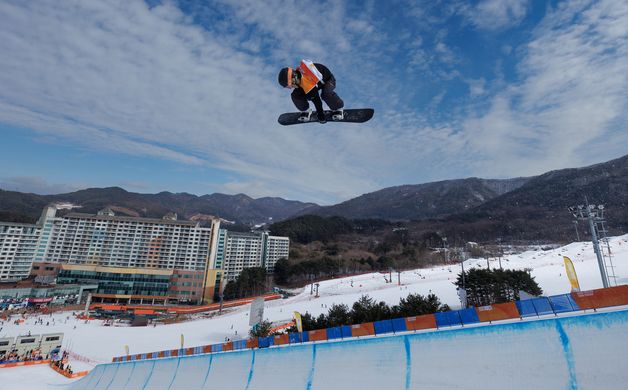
131, 258
17, 248
237, 251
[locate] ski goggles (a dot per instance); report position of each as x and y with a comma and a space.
293, 79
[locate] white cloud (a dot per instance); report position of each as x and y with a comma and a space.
120, 77
570, 108
476, 86
497, 14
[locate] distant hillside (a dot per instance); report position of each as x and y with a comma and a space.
422, 201
16, 206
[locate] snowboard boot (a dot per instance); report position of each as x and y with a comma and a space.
338, 114
305, 116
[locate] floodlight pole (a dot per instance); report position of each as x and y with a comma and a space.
588, 212
596, 248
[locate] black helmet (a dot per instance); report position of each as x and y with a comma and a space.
284, 77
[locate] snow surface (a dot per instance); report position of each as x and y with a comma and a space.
99, 343
584, 351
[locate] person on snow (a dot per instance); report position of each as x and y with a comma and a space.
306, 81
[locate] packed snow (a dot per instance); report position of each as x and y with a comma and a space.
97, 343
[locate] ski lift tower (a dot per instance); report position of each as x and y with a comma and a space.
594, 215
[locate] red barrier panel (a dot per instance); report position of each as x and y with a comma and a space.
498, 311
228, 346
252, 343
317, 335
426, 321
207, 348
281, 339
138, 356
365, 329
127, 358
603, 297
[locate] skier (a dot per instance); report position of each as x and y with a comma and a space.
306, 81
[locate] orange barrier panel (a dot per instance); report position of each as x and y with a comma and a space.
252, 343
27, 363
174, 352
189, 351
144, 312
138, 356
281, 339
426, 321
151, 355
207, 348
228, 346
603, 297
67, 374
127, 358
161, 354
365, 329
317, 335
498, 311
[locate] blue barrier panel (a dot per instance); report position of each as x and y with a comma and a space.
399, 324
294, 338
561, 303
526, 308
216, 348
265, 342
334, 333
384, 326
447, 318
198, 350
305, 337
133, 357
468, 316
542, 306
345, 331
239, 344
167, 353
572, 302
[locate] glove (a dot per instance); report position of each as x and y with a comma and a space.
321, 117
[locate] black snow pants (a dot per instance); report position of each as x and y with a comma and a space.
328, 95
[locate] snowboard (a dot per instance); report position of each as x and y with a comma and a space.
351, 115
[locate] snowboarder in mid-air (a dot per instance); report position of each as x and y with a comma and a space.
306, 81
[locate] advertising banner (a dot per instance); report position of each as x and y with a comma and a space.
571, 274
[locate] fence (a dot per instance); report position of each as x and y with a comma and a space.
556, 304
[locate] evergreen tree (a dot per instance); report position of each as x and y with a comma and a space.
263, 329
486, 287
338, 315
416, 304
251, 281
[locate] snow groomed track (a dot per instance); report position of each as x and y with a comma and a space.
586, 351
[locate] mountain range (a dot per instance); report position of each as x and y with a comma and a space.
509, 204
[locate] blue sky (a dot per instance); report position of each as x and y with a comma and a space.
182, 96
